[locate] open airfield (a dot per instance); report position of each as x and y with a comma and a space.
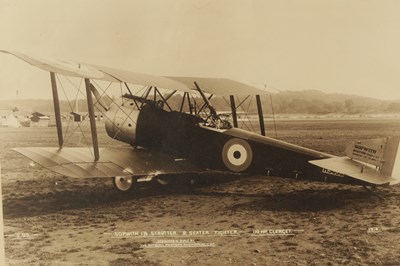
50, 219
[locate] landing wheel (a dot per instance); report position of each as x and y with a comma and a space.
163, 181
194, 181
182, 181
124, 183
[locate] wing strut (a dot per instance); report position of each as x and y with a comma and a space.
92, 118
234, 114
260, 115
212, 109
57, 112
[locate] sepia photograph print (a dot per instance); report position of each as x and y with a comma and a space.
199, 132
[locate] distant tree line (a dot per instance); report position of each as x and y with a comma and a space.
286, 102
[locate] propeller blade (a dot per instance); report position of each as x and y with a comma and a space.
98, 97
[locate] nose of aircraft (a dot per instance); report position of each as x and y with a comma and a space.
121, 123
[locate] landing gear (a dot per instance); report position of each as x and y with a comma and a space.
373, 191
124, 183
177, 181
193, 181
163, 181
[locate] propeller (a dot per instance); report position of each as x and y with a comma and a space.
99, 99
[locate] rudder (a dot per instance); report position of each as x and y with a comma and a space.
384, 153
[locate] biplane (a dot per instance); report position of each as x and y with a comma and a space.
193, 138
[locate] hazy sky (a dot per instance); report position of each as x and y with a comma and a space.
346, 46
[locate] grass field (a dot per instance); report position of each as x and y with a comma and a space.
54, 220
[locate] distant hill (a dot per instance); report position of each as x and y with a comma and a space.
285, 102
317, 102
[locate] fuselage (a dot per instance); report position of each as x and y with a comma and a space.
187, 137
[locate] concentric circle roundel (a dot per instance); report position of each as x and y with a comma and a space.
237, 155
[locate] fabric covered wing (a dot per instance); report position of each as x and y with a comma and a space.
215, 86
63, 68
143, 79
78, 162
220, 86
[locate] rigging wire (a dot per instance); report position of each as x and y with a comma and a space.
79, 124
273, 115
243, 123
104, 92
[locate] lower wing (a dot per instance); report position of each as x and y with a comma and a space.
78, 162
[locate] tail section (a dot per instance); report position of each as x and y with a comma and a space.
367, 151
384, 153
391, 159
376, 161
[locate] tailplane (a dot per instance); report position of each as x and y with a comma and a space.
376, 161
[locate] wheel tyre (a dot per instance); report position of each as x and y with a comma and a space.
124, 183
163, 181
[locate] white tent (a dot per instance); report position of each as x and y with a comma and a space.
12, 121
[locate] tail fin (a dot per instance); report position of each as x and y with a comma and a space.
384, 153
391, 159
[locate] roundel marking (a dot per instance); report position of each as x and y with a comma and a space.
237, 155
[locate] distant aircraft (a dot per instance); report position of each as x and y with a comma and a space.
166, 142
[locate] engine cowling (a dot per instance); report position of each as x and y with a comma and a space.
122, 123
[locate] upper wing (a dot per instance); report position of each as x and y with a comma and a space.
99, 72
78, 162
143, 79
216, 86
63, 68
220, 86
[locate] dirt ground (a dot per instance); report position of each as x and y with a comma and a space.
54, 220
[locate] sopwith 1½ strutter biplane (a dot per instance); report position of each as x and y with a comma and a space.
166, 142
